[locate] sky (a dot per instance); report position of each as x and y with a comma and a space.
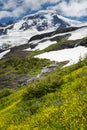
16, 9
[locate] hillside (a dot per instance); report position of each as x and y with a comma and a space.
54, 98
57, 101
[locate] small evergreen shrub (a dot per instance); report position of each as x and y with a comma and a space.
5, 92
42, 87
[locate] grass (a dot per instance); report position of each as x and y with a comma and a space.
57, 46
57, 102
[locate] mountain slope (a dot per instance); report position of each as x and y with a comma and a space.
42, 105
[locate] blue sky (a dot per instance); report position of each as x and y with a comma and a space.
16, 9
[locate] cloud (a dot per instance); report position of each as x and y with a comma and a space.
16, 8
37, 4
4, 14
73, 8
10, 4
18, 12
11, 8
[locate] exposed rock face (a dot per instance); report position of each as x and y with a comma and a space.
3, 30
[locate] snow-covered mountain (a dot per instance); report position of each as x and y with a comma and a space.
47, 20
42, 29
41, 22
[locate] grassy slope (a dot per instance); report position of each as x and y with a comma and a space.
58, 102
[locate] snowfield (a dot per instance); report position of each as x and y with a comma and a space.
72, 55
44, 45
78, 34
17, 37
71, 22
2, 54
41, 45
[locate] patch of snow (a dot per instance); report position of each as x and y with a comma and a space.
28, 49
12, 41
44, 45
18, 25
72, 55
4, 53
78, 34
41, 45
81, 24
71, 22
